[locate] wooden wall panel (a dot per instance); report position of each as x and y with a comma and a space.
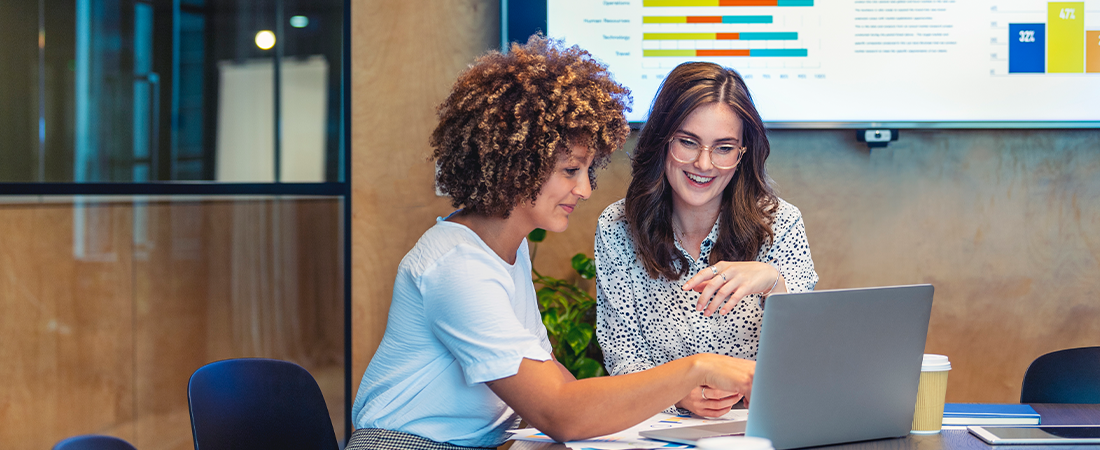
102, 328
276, 288
65, 324
1002, 222
405, 57
170, 277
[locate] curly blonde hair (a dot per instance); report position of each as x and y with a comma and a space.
508, 115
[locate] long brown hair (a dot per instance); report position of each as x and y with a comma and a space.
748, 201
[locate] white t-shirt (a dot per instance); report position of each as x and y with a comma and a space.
460, 317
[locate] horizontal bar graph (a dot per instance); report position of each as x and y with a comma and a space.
673, 3
748, 36
707, 19
676, 33
762, 52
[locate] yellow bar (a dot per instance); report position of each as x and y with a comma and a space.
1065, 37
664, 19
668, 52
679, 36
680, 3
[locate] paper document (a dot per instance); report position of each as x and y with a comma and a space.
629, 438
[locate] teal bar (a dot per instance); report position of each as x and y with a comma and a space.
746, 19
796, 3
769, 36
778, 52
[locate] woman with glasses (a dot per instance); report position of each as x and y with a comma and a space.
684, 261
465, 350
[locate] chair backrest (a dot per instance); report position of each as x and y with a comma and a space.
256, 403
93, 442
1064, 376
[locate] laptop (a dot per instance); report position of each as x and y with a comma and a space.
833, 367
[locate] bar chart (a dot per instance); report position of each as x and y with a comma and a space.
686, 29
858, 60
707, 19
699, 3
1066, 42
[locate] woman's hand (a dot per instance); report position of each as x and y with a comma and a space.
709, 402
729, 374
726, 283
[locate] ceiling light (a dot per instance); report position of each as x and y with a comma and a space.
265, 39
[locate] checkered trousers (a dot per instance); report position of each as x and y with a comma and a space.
379, 439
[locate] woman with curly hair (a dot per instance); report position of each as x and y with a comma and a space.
465, 350
700, 231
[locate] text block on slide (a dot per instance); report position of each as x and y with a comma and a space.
1065, 37
1092, 51
1027, 48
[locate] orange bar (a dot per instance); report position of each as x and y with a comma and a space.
748, 2
704, 19
721, 53
1092, 51
727, 36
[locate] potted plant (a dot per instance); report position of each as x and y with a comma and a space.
569, 314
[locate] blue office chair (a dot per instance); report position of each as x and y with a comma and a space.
1064, 376
256, 403
93, 442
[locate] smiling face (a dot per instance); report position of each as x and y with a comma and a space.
567, 185
698, 184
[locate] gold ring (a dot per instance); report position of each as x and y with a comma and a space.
703, 392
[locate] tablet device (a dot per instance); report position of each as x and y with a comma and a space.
1049, 434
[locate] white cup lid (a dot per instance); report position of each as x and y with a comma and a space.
935, 363
734, 443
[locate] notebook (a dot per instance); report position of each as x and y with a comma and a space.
989, 414
833, 366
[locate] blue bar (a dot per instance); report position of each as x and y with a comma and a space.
796, 3
746, 19
1027, 48
769, 36
778, 52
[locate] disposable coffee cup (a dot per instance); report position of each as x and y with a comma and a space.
928, 413
734, 443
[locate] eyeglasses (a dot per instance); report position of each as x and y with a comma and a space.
722, 156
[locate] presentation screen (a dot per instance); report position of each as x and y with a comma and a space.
851, 63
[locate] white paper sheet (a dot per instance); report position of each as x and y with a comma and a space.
629, 438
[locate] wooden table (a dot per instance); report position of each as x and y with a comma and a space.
1052, 414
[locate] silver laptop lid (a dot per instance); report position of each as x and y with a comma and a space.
839, 366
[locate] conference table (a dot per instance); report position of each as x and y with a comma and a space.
949, 439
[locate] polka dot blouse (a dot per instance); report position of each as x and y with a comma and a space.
644, 322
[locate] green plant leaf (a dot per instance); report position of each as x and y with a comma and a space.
548, 298
578, 335
567, 313
585, 367
537, 235
584, 265
552, 322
